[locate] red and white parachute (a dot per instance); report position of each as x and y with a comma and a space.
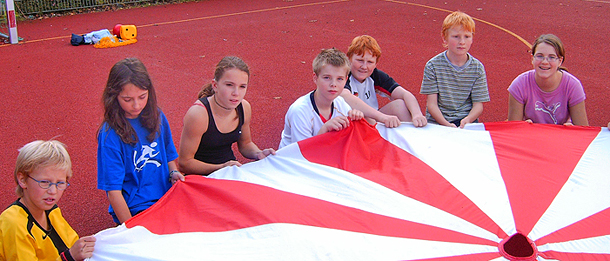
493, 191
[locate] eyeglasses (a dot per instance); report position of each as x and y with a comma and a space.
45, 184
550, 58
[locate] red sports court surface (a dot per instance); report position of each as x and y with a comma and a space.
52, 89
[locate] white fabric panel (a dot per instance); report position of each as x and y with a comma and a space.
297, 175
443, 149
578, 198
271, 242
538, 258
594, 245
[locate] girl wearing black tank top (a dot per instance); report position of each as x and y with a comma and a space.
218, 119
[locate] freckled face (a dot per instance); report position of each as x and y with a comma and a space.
458, 40
362, 66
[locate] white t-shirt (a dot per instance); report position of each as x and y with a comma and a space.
302, 121
365, 91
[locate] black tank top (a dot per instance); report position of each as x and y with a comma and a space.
215, 147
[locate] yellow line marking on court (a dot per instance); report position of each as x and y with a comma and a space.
245, 12
477, 19
599, 1
200, 18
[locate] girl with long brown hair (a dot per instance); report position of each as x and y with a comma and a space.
136, 154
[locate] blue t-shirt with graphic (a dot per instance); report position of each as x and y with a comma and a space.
140, 171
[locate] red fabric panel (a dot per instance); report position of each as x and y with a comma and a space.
593, 226
536, 160
362, 151
211, 205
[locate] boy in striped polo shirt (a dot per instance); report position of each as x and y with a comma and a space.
455, 82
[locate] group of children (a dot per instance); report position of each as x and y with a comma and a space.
138, 162
454, 82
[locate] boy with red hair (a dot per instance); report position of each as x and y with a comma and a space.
455, 82
365, 79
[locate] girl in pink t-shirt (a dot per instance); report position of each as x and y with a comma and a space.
548, 93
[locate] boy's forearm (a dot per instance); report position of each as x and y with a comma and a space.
476, 111
358, 104
409, 99
435, 111
413, 106
437, 115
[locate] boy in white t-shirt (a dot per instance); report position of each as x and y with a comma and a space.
321, 110
366, 80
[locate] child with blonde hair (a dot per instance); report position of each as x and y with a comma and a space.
32, 228
321, 110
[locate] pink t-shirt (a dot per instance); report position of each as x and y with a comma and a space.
547, 107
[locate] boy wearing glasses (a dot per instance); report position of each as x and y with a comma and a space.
32, 227
455, 82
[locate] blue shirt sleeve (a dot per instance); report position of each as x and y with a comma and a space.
110, 160
170, 148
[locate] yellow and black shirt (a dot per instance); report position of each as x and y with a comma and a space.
22, 238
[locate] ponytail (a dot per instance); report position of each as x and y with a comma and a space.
206, 91
226, 63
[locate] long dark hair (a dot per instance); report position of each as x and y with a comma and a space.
126, 71
228, 62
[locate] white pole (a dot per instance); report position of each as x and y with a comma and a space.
11, 21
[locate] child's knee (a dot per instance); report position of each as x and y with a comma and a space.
398, 108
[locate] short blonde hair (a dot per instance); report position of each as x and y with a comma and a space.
41, 153
333, 57
457, 18
361, 44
